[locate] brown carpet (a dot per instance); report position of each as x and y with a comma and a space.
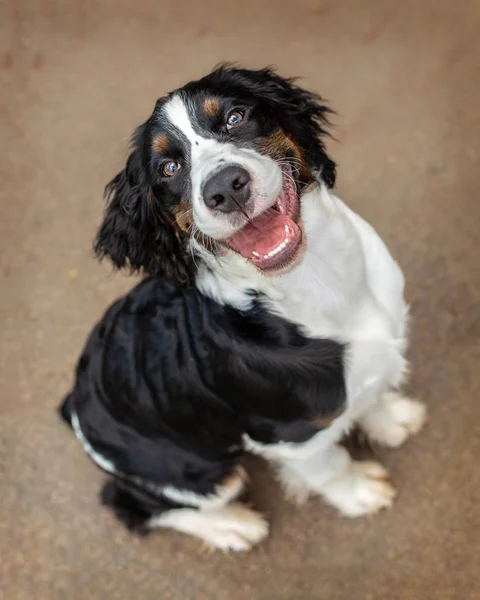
75, 78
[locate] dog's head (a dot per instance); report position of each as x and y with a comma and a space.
222, 161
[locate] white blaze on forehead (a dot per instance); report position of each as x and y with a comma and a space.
205, 156
177, 113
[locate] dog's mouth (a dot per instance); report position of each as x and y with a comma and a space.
271, 240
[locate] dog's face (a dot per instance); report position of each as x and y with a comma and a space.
224, 161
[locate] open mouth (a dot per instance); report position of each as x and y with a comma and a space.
271, 240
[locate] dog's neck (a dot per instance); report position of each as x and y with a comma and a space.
330, 267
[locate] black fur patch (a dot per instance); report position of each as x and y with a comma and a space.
174, 379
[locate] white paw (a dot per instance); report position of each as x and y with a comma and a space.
236, 528
402, 418
364, 489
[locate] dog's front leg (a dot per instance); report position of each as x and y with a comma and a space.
355, 488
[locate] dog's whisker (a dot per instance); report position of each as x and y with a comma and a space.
192, 238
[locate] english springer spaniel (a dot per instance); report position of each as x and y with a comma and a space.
271, 319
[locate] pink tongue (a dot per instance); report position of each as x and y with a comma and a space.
263, 235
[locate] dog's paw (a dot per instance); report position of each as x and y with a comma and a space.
397, 419
363, 489
236, 528
231, 528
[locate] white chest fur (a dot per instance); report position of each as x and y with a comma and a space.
347, 286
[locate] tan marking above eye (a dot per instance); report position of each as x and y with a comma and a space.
160, 144
211, 106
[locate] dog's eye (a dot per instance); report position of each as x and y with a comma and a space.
170, 168
234, 119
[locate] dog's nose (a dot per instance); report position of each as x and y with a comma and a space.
228, 190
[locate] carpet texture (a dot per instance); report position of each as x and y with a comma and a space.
76, 77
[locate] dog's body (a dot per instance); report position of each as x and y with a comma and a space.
274, 326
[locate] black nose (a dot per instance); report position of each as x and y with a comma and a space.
228, 190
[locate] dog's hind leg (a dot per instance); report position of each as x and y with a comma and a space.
220, 520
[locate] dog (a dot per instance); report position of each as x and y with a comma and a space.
271, 318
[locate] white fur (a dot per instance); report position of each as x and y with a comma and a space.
206, 157
233, 527
362, 489
348, 288
393, 419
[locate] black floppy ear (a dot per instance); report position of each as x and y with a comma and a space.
301, 113
137, 232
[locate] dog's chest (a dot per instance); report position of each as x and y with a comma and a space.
346, 287
326, 299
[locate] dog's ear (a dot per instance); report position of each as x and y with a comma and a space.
301, 113
137, 232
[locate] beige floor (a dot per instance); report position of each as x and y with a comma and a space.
75, 79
